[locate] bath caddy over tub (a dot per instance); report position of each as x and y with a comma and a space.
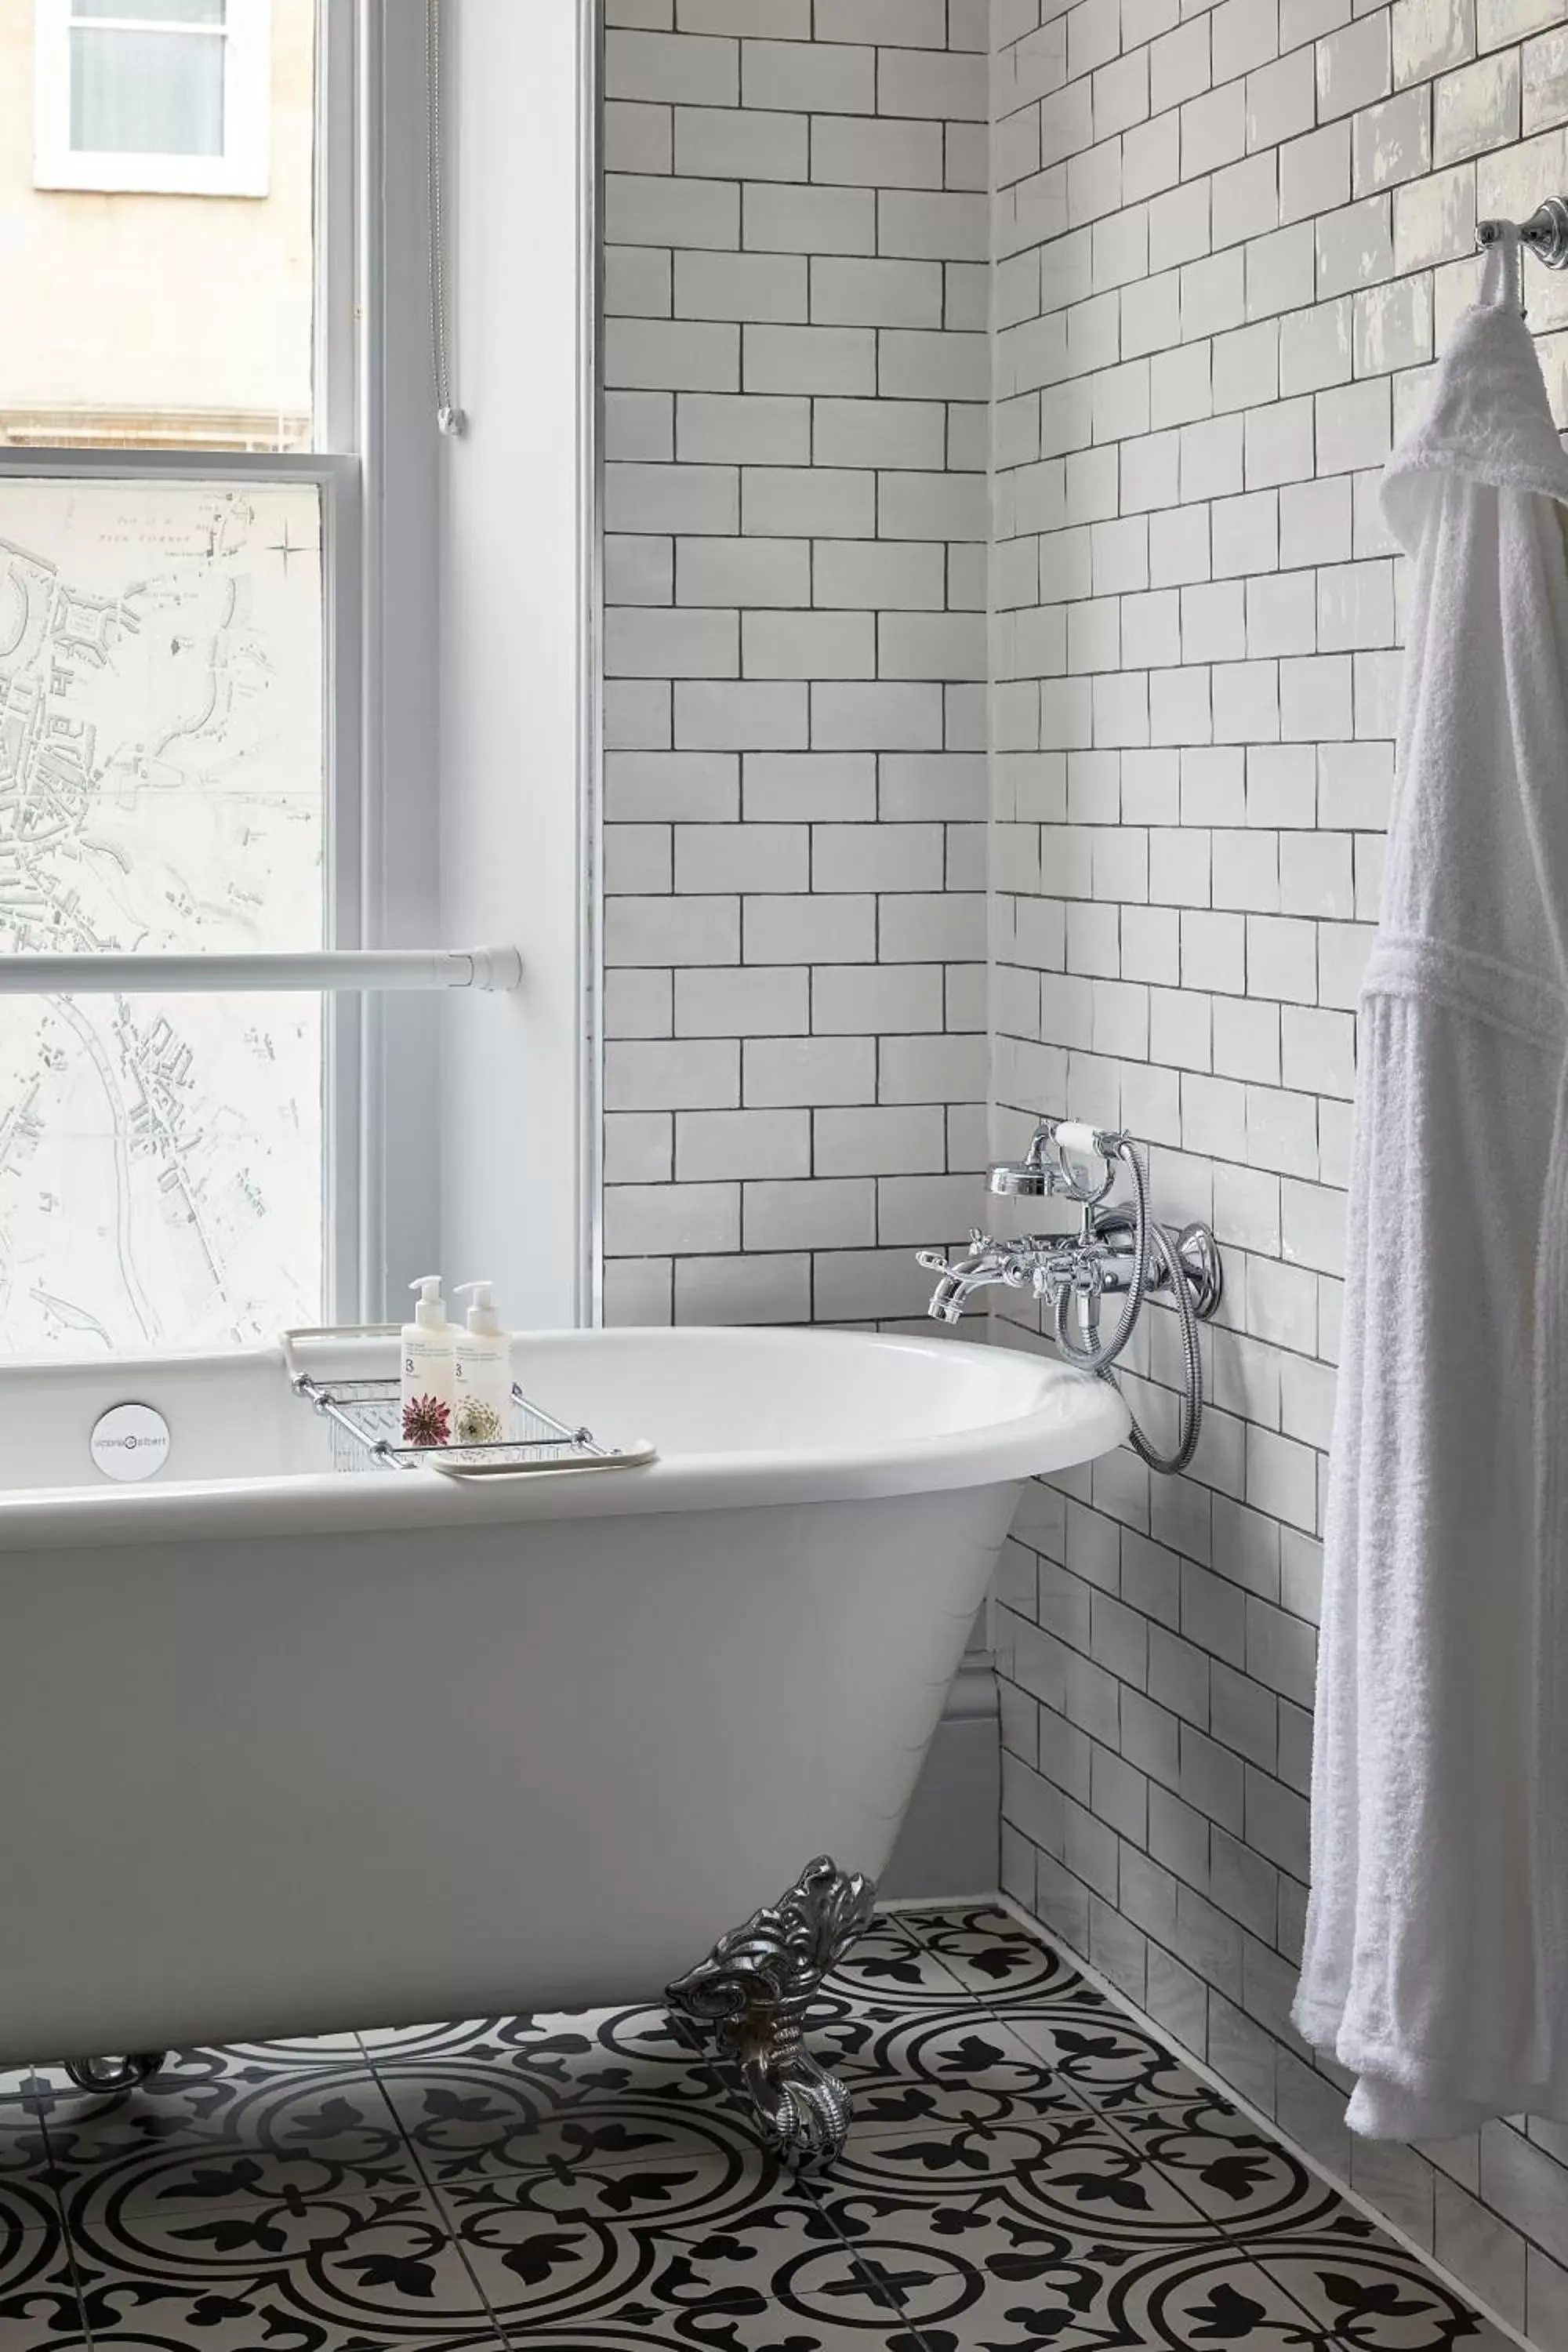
362, 1409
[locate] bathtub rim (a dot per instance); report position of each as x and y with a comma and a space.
1064, 1418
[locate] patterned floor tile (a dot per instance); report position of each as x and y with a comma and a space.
306, 2050
1112, 2063
1028, 2167
34, 2265
1068, 2169
995, 1957
222, 2130
890, 1964
1248, 2184
24, 2095
39, 2307
276, 2327
934, 2068
965, 2275
684, 2254
1367, 2295
170, 2332
344, 2274
453, 2040
612, 2085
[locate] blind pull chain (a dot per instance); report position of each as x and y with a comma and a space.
449, 418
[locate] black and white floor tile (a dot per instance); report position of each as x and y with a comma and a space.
1028, 2168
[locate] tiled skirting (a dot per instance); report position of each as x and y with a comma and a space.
1028, 2167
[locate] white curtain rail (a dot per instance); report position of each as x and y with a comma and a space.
329, 970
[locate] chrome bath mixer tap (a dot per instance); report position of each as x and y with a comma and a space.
1116, 1251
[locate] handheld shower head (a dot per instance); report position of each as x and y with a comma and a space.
1022, 1180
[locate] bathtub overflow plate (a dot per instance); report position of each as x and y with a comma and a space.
131, 1440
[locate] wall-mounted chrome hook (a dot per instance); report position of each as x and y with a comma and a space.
1545, 234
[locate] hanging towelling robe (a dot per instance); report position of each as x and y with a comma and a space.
1435, 1964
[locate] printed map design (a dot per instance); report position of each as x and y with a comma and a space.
160, 790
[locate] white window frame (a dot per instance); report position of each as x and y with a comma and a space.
242, 168
369, 301
433, 1135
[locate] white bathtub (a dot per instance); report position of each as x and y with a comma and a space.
285, 1751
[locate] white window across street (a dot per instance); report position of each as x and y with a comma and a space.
170, 97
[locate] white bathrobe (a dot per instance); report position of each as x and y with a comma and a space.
1436, 1950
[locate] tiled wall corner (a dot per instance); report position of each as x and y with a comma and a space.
797, 369
1228, 240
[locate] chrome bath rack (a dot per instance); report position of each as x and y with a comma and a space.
365, 1412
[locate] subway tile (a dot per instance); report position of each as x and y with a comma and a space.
1481, 2250
914, 82
654, 65
754, 285
1545, 82
787, 20
1354, 65
638, 283
649, 1219
742, 1289
1506, 20
662, 354
920, 24
1476, 106
642, 209
1355, 246
816, 77
1429, 35
739, 143
639, 571
1180, 65
675, 1075
796, 219
652, 643
1434, 219
1315, 173
638, 137
1392, 141
740, 715
1280, 99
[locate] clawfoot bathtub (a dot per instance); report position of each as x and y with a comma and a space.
289, 1752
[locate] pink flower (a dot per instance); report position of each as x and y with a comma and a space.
427, 1420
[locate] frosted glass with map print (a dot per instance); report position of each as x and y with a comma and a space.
161, 789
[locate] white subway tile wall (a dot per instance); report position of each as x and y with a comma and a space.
1228, 240
796, 371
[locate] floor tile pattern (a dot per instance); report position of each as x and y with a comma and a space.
1028, 2168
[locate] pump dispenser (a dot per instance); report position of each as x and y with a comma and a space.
484, 1372
428, 1365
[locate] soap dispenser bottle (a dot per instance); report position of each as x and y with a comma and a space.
428, 1369
484, 1372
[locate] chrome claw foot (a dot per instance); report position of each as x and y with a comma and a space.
115, 2075
803, 2110
755, 1989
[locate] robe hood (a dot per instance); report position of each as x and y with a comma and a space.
1487, 417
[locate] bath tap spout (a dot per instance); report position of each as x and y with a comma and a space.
988, 1262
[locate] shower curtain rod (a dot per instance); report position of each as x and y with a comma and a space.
331, 969
1545, 234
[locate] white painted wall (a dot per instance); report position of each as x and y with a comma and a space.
516, 656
